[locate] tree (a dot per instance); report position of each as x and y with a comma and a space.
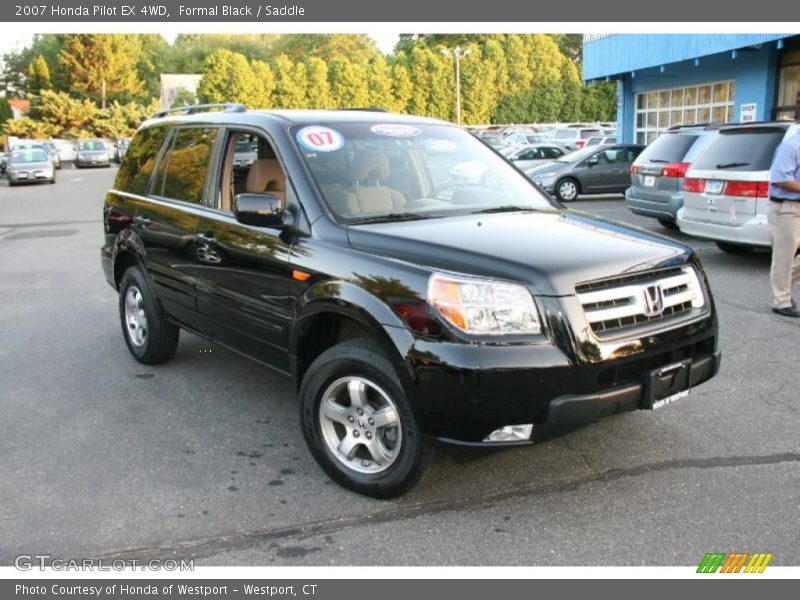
420, 80
478, 91
102, 66
319, 88
380, 83
38, 75
349, 87
265, 83
290, 83
599, 102
228, 77
5, 111
402, 87
573, 92
357, 48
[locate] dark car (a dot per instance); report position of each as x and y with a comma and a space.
3, 163
92, 153
592, 170
405, 306
658, 173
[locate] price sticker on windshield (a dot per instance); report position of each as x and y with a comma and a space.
321, 139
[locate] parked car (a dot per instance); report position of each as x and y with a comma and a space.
30, 165
3, 162
526, 157
601, 140
405, 309
121, 148
726, 189
526, 139
575, 136
593, 170
657, 175
47, 146
92, 153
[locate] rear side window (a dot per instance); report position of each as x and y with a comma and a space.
183, 170
669, 148
137, 166
742, 150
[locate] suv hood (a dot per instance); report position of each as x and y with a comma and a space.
550, 250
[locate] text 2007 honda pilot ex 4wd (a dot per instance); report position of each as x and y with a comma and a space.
409, 307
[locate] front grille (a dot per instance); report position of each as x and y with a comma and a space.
616, 304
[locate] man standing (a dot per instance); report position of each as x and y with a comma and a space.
783, 217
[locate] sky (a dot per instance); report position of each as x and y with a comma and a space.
14, 43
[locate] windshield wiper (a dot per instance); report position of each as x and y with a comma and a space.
658, 160
500, 209
730, 165
391, 217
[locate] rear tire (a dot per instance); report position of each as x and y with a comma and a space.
358, 423
730, 248
668, 224
150, 338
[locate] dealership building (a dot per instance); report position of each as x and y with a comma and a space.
683, 79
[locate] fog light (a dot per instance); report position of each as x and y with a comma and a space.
510, 433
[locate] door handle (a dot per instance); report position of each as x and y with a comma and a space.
206, 238
142, 221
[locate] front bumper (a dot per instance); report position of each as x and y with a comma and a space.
667, 208
463, 392
30, 177
752, 233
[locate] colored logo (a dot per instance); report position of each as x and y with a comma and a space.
735, 562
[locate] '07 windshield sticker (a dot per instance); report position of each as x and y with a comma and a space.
395, 130
321, 139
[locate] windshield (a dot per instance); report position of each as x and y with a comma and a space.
91, 146
369, 171
28, 156
566, 134
577, 156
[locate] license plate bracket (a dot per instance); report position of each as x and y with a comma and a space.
714, 186
666, 384
649, 181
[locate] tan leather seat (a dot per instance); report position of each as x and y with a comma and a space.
266, 175
367, 195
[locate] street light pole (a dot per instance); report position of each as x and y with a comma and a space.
458, 53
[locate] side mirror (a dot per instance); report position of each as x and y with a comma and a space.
260, 210
592, 161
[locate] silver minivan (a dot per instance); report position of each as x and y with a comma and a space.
726, 190
657, 175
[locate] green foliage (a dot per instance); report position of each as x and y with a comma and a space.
38, 75
504, 77
95, 61
184, 98
5, 111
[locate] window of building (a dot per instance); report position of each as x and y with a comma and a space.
707, 103
788, 102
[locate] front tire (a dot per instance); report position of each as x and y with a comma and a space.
567, 190
150, 338
358, 423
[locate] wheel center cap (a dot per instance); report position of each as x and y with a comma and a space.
361, 424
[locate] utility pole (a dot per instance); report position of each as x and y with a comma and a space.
458, 53
103, 94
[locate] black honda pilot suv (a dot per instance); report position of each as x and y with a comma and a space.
410, 308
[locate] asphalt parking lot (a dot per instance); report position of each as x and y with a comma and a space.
203, 457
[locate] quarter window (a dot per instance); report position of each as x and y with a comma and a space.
184, 168
140, 159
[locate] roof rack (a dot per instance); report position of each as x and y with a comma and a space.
695, 126
190, 109
365, 108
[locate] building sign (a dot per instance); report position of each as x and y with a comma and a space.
747, 112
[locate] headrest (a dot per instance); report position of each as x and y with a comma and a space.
373, 164
265, 174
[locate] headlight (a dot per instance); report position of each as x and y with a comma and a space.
546, 175
484, 306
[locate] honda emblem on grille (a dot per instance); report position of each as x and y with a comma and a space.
653, 300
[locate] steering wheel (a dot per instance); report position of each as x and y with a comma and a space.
444, 187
